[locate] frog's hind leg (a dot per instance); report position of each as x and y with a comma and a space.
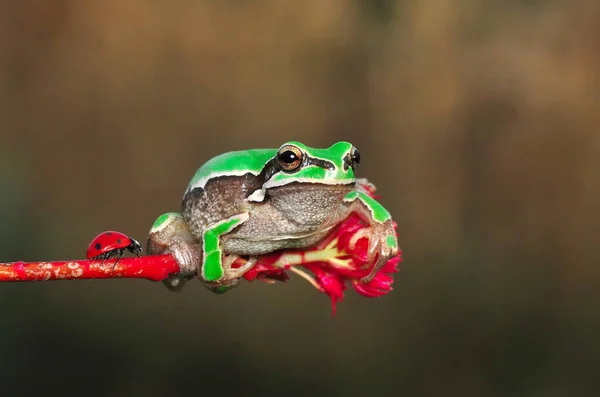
215, 268
231, 276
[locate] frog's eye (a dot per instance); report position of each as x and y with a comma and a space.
352, 159
355, 156
290, 158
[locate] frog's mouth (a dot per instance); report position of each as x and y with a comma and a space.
258, 196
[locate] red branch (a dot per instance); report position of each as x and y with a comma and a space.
154, 268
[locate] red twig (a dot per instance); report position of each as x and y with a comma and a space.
154, 268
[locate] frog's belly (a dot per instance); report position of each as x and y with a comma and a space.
248, 246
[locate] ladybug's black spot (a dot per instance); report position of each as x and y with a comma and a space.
118, 241
98, 246
109, 234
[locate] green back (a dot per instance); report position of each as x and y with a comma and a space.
232, 164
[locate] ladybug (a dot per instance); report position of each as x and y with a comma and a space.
111, 243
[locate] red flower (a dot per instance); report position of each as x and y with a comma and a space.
334, 262
265, 271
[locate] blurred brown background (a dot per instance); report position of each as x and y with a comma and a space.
477, 120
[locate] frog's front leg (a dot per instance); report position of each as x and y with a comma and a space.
170, 235
217, 272
381, 234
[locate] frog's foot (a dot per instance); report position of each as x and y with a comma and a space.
235, 273
187, 257
383, 244
231, 276
170, 235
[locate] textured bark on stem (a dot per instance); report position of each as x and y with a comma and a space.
154, 268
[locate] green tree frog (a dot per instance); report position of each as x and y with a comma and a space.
249, 203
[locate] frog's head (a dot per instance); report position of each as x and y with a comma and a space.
296, 162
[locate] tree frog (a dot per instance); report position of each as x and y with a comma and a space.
249, 203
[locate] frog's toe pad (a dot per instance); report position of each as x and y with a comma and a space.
174, 283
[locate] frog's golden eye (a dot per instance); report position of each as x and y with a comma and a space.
290, 158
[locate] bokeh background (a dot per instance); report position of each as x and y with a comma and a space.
477, 120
